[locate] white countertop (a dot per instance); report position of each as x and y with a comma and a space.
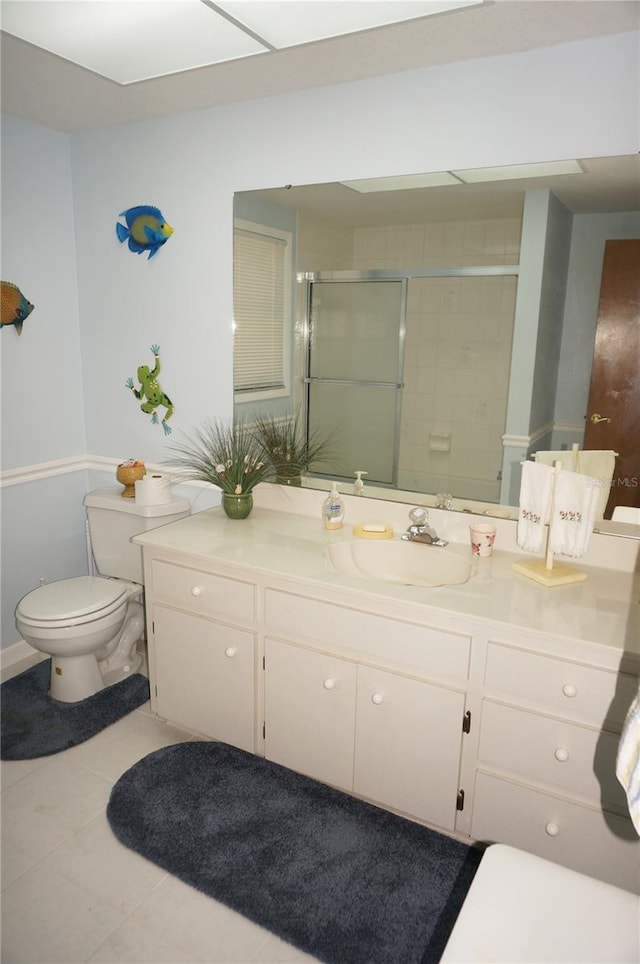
604, 609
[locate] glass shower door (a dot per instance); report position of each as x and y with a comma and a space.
354, 383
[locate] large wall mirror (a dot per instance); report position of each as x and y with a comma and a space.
465, 309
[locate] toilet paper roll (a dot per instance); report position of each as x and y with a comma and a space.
153, 489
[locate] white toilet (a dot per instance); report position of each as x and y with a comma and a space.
90, 625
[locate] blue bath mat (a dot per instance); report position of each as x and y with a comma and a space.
34, 724
340, 879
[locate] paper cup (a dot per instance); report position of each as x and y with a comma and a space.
483, 536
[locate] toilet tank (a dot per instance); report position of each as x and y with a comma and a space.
114, 520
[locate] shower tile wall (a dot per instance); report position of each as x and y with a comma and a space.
457, 351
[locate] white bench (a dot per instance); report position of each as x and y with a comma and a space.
521, 908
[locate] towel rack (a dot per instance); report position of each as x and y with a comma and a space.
544, 571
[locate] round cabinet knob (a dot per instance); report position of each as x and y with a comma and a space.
329, 684
230, 651
561, 754
552, 829
377, 698
196, 590
570, 690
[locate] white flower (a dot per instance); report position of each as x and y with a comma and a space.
238, 489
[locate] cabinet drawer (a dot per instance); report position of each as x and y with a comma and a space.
203, 592
577, 691
422, 648
602, 846
574, 758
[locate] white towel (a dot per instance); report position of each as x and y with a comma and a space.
574, 508
535, 503
564, 456
600, 465
628, 761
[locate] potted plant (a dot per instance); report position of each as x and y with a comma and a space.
226, 455
288, 447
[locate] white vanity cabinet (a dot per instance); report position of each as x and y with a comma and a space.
459, 709
392, 736
202, 663
386, 737
545, 780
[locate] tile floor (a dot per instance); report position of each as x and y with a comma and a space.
72, 893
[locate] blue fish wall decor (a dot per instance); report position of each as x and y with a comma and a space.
14, 307
146, 229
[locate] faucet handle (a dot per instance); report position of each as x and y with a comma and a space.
419, 515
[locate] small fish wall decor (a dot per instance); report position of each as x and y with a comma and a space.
14, 307
146, 229
151, 392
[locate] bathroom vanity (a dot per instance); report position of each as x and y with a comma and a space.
489, 710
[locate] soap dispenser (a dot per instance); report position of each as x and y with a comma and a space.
358, 485
333, 509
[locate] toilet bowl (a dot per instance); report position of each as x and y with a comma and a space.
89, 626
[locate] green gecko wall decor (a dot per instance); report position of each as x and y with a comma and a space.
151, 391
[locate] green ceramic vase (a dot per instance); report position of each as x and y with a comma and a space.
237, 506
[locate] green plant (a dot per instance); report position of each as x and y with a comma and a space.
227, 455
286, 444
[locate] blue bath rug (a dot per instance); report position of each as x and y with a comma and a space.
340, 879
34, 724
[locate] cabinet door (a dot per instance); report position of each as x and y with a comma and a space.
310, 712
204, 676
408, 740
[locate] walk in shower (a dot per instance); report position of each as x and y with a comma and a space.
409, 372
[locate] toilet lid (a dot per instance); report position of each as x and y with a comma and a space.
70, 599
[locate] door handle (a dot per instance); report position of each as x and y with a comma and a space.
596, 419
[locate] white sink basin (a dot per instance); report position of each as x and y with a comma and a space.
406, 563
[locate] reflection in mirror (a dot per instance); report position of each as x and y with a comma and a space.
495, 327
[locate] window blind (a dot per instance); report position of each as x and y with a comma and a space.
259, 311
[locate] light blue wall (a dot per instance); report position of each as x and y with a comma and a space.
43, 387
63, 388
552, 298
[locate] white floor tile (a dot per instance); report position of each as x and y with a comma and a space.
97, 861
13, 770
112, 751
207, 930
50, 803
73, 894
15, 862
132, 944
47, 919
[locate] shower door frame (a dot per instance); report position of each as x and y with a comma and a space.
386, 274
346, 277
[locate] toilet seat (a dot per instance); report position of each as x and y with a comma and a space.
72, 602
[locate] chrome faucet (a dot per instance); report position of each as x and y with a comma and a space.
420, 530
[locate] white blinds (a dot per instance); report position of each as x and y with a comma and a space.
259, 311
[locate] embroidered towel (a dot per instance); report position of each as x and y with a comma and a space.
628, 761
600, 465
574, 509
535, 503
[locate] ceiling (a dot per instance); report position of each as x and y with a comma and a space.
39, 86
608, 184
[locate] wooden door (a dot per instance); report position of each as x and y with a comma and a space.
613, 413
